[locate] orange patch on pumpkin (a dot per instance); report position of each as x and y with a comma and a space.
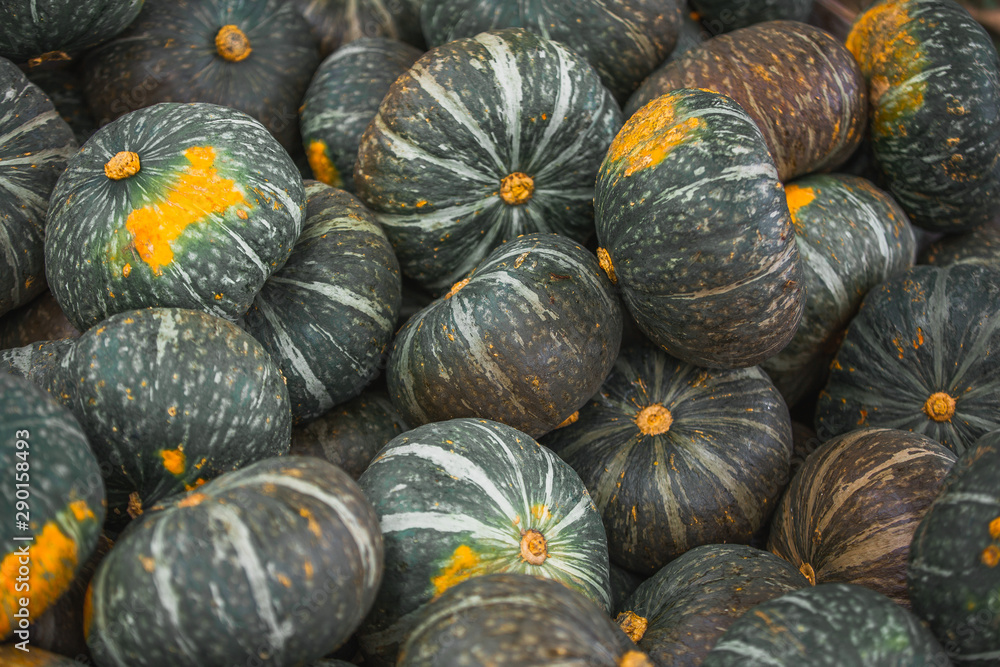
650, 135
51, 564
463, 564
322, 167
797, 198
174, 460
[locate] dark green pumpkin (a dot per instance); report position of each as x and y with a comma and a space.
35, 144
181, 205
851, 236
41, 319
276, 563
36, 362
482, 140
934, 83
328, 314
729, 15
921, 356
463, 498
694, 227
953, 576
526, 341
677, 456
624, 40
980, 244
679, 613
343, 98
516, 620
54, 501
337, 23
30, 29
830, 625
11, 656
851, 509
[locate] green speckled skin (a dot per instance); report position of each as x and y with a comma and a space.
624, 40
169, 55
150, 382
36, 657
65, 498
951, 582
934, 82
714, 476
36, 361
466, 116
454, 499
328, 314
689, 603
694, 220
734, 14
922, 331
979, 245
220, 260
337, 23
851, 236
30, 28
274, 564
830, 625
35, 144
517, 621
343, 98
526, 342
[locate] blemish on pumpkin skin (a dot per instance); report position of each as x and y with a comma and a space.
53, 566
797, 198
463, 564
995, 528
650, 135
540, 512
148, 564
991, 556
311, 522
174, 461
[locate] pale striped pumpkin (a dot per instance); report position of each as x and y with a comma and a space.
484, 139
278, 561
466, 497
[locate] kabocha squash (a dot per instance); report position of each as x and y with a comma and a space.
464, 498
829, 625
39, 320
980, 244
253, 55
195, 217
343, 98
679, 613
920, 355
516, 620
851, 509
677, 456
800, 85
30, 29
337, 23
482, 140
170, 398
851, 236
694, 227
934, 81
525, 340
729, 16
36, 362
276, 563
11, 656
328, 314
624, 40
35, 144
953, 575
54, 498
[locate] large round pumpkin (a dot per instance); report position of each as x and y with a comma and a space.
32, 29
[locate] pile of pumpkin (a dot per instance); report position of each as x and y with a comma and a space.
454, 332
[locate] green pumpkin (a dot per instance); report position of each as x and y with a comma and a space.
30, 29
36, 362
195, 217
980, 244
338, 23
728, 15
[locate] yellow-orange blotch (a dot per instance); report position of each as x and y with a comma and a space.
798, 197
650, 136
174, 460
322, 168
463, 564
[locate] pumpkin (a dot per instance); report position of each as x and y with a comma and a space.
676, 456
39, 320
197, 217
919, 356
679, 613
734, 15
338, 23
526, 340
54, 501
170, 398
953, 575
29, 31
35, 144
36, 362
934, 81
811, 111
467, 497
482, 140
328, 314
35, 657
343, 98
980, 244
624, 40
256, 56
828, 624
516, 619
278, 562
851, 509
693, 226
851, 236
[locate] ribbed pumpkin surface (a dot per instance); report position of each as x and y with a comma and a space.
29, 28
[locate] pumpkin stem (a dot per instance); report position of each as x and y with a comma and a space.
604, 259
635, 659
633, 624
122, 165
808, 572
533, 547
134, 505
457, 286
516, 188
232, 44
940, 406
654, 420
